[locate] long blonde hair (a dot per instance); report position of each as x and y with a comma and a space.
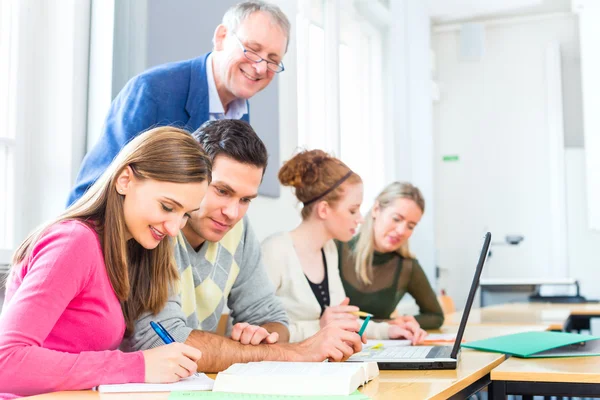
165, 154
365, 246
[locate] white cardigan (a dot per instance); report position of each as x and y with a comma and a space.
284, 268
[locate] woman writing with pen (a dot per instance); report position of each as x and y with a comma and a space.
303, 263
78, 283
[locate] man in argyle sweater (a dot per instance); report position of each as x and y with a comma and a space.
219, 261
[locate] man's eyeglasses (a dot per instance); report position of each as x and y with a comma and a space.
252, 56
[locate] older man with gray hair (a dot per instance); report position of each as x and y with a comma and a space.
249, 46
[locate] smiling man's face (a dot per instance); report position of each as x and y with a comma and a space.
235, 75
233, 187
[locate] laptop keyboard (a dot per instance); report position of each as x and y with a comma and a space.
413, 352
403, 352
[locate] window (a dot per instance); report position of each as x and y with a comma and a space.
311, 78
311, 130
7, 138
340, 87
361, 103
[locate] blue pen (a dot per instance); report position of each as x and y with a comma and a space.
164, 335
364, 325
166, 332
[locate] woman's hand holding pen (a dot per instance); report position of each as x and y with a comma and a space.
409, 324
398, 332
170, 363
343, 311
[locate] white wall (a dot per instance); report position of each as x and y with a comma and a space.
583, 242
589, 13
504, 98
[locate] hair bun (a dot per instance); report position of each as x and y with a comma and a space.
310, 173
303, 169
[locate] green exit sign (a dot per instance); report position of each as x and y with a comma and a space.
450, 158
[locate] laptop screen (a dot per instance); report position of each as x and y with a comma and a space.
474, 286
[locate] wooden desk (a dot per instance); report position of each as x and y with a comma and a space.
575, 376
554, 316
479, 332
472, 374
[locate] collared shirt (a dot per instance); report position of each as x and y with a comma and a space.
237, 108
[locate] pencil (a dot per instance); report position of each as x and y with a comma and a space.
364, 325
361, 314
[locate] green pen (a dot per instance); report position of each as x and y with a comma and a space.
364, 325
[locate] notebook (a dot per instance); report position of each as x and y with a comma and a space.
200, 382
291, 378
426, 357
376, 343
540, 345
245, 396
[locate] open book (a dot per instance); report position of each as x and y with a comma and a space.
199, 382
295, 378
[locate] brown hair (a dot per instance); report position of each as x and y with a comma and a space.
141, 278
233, 138
315, 175
365, 246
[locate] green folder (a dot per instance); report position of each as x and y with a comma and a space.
242, 396
540, 345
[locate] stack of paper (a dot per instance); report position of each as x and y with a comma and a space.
199, 382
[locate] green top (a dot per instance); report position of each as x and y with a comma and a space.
389, 285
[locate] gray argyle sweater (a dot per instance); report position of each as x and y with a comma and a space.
229, 272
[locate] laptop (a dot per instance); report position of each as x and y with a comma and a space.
426, 357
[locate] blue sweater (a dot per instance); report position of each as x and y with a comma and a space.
170, 94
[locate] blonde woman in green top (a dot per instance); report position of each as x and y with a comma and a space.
377, 268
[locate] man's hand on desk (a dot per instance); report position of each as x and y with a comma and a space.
335, 342
245, 333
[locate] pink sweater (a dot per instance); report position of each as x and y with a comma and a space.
61, 322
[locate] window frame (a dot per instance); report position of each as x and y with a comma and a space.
8, 142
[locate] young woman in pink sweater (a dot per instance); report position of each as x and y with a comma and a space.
79, 282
